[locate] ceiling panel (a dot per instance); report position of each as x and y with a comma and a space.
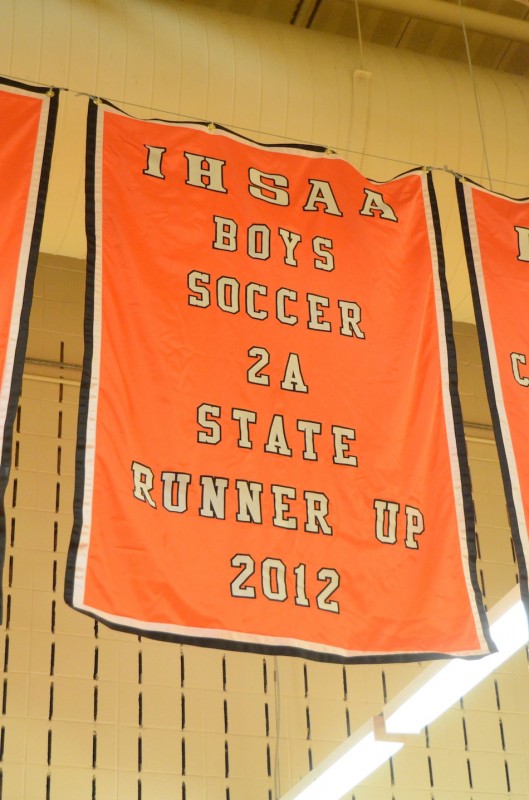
394, 29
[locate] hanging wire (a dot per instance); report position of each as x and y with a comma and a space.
476, 96
260, 132
359, 31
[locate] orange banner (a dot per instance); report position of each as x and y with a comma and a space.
496, 233
270, 447
27, 123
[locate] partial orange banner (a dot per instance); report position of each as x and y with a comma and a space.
496, 233
271, 455
27, 127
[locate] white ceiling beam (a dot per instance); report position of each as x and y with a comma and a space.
511, 28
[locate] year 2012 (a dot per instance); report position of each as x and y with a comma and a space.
272, 579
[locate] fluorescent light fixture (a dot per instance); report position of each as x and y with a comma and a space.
441, 685
348, 765
432, 693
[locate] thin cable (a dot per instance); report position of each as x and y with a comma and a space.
359, 31
332, 148
478, 105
